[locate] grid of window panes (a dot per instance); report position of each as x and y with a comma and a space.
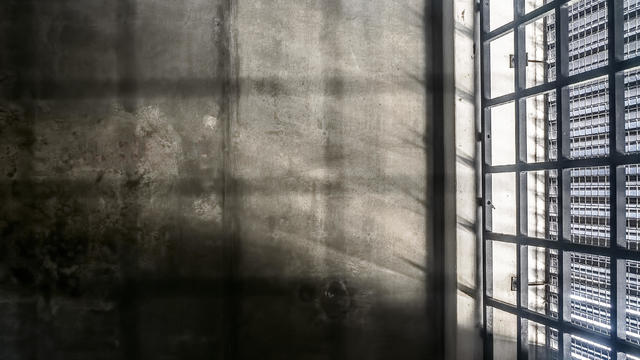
588, 255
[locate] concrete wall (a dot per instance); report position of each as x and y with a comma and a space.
213, 179
469, 270
328, 151
112, 179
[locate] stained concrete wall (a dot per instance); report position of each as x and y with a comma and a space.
213, 179
468, 213
331, 164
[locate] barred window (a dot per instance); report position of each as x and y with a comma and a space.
560, 98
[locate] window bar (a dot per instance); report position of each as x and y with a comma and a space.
617, 128
622, 254
617, 184
562, 113
488, 326
616, 159
519, 53
485, 140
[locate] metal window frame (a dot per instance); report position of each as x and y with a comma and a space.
616, 160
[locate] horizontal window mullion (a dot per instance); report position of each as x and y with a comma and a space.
610, 341
622, 65
618, 252
550, 165
616, 159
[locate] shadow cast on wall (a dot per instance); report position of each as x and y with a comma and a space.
126, 230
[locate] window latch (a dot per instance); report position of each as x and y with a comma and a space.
515, 282
512, 60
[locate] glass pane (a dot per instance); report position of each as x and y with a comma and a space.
530, 5
589, 119
541, 124
591, 292
500, 13
502, 260
631, 10
632, 206
502, 123
542, 204
587, 35
542, 273
585, 349
502, 204
590, 206
632, 317
504, 328
632, 110
542, 341
502, 69
540, 38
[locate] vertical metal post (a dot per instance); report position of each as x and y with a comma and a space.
618, 222
485, 91
616, 175
521, 178
562, 116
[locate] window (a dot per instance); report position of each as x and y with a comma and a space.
561, 178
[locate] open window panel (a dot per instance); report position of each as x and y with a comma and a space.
542, 280
540, 341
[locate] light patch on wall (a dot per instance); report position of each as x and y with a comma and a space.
208, 209
161, 145
210, 122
